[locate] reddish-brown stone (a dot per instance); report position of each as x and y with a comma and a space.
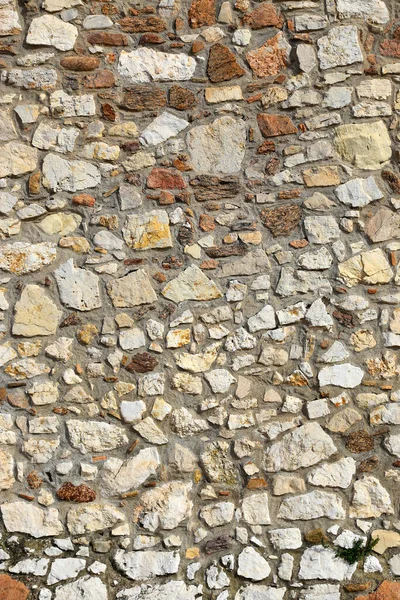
80, 63
34, 183
166, 179
388, 590
274, 125
201, 12
271, 58
11, 589
390, 48
142, 23
76, 493
108, 112
143, 362
102, 79
151, 38
84, 200
265, 15
144, 97
222, 64
105, 38
181, 98
197, 46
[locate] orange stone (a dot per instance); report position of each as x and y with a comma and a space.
222, 64
274, 125
388, 590
80, 63
201, 12
264, 15
11, 589
102, 79
84, 200
271, 57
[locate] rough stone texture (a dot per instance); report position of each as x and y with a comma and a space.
199, 223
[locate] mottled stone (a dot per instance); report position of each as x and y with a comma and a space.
35, 313
271, 58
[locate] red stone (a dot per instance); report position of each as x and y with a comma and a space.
80, 63
102, 79
390, 48
151, 38
274, 125
11, 589
166, 179
105, 38
201, 12
388, 590
264, 15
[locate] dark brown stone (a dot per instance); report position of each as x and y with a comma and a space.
392, 180
225, 251
34, 183
282, 220
265, 15
167, 179
266, 147
368, 465
185, 234
144, 97
102, 79
222, 64
345, 319
72, 319
360, 441
217, 544
201, 12
172, 263
142, 23
105, 38
215, 188
181, 98
80, 63
143, 362
108, 112
274, 125
11, 589
76, 493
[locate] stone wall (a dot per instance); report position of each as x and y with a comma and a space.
199, 299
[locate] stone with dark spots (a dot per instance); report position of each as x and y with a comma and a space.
144, 97
76, 493
222, 542
282, 220
222, 64
360, 441
181, 98
142, 23
201, 12
225, 251
106, 38
215, 188
142, 362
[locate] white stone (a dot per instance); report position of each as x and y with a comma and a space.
95, 436
370, 499
86, 588
64, 105
147, 564
373, 11
264, 319
163, 127
48, 30
220, 380
340, 47
313, 505
176, 590
22, 517
260, 592
191, 284
132, 290
218, 514
255, 509
60, 174
251, 565
218, 147
78, 288
147, 65
119, 476
337, 474
286, 539
359, 192
318, 562
65, 568
345, 376
88, 518
305, 446
17, 159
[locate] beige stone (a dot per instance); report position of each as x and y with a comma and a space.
17, 159
35, 313
364, 145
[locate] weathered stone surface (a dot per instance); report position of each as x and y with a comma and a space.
22, 258
271, 58
145, 65
132, 290
304, 447
17, 159
218, 147
78, 288
11, 589
22, 517
48, 30
321, 563
93, 517
340, 47
222, 64
191, 284
69, 176
281, 221
86, 588
143, 232
374, 11
95, 436
35, 313
146, 564
312, 506
370, 499
365, 145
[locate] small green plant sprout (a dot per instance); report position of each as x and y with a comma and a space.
357, 552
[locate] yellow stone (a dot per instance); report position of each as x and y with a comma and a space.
364, 145
192, 553
146, 231
321, 176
